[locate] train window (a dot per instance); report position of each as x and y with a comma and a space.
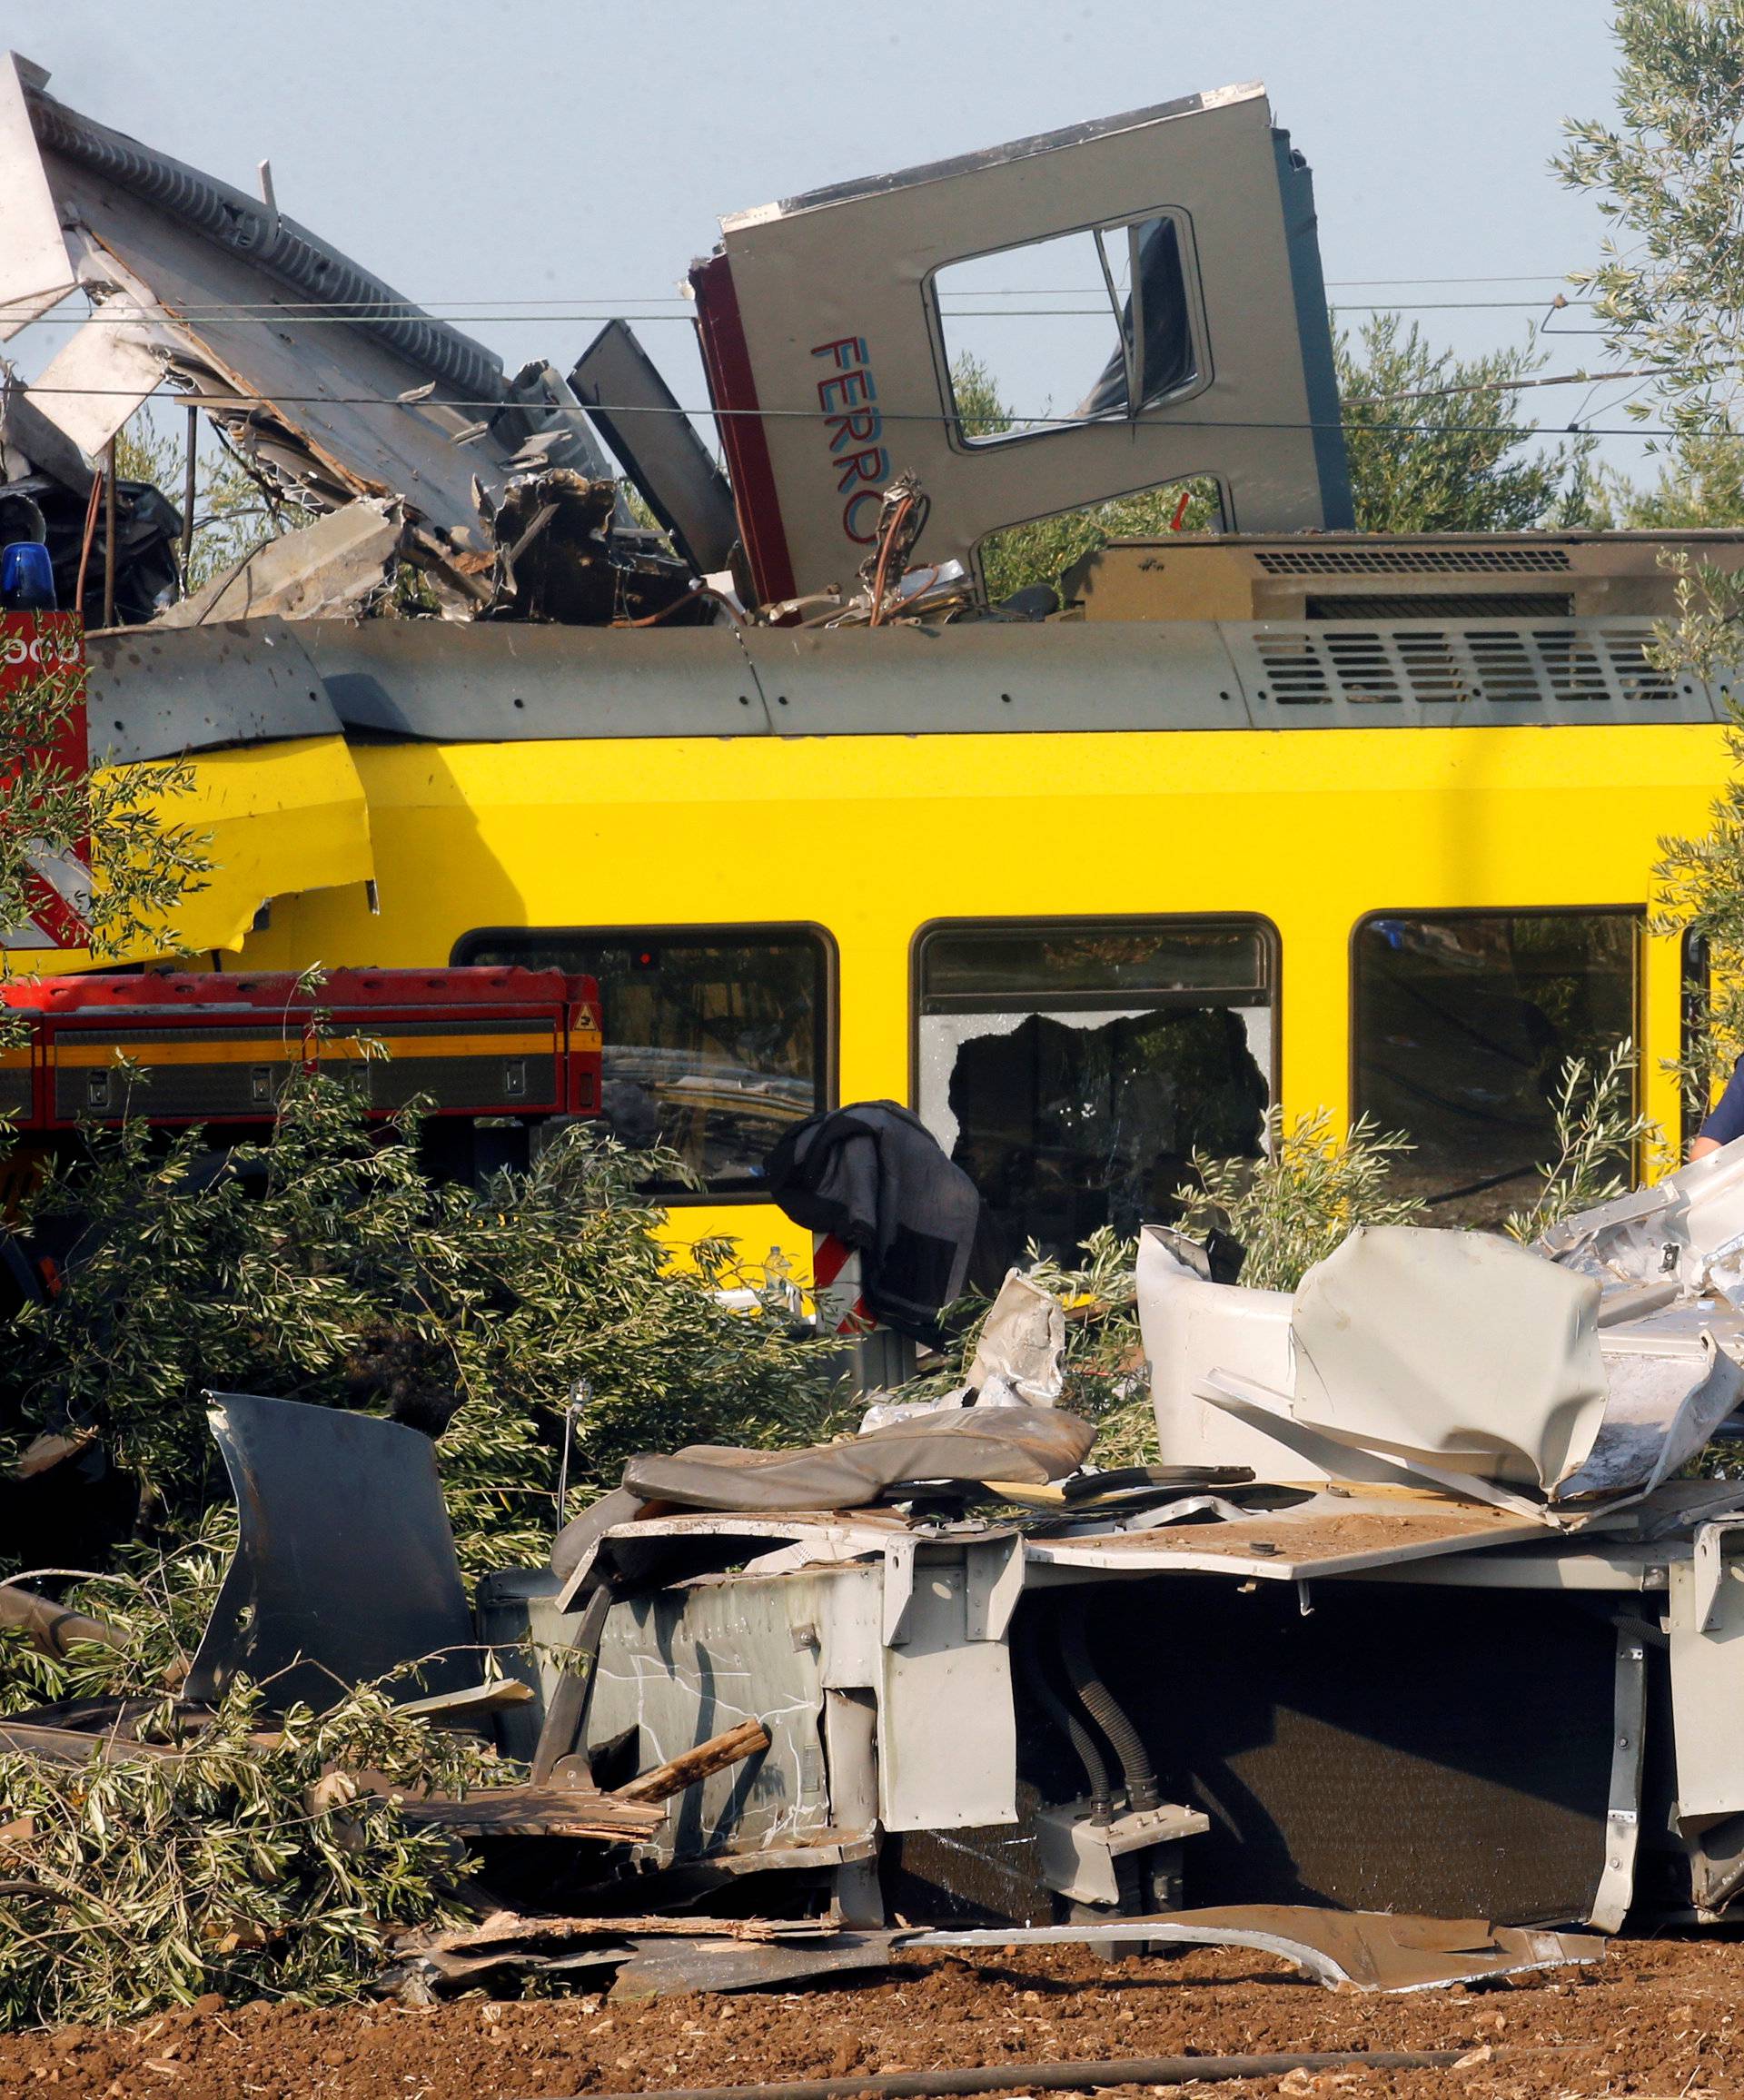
1072, 1067
715, 1038
1464, 1022
1119, 329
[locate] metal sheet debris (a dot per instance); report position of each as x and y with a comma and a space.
322, 1593
331, 569
1205, 234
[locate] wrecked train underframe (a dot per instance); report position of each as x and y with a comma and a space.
1416, 1659
1421, 1615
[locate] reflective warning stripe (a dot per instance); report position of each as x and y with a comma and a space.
266, 1050
835, 1286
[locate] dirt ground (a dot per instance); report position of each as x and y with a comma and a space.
1654, 2020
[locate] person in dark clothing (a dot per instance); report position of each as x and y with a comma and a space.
1725, 1119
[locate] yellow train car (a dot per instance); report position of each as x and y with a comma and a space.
1089, 894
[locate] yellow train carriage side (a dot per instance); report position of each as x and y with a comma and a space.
1322, 850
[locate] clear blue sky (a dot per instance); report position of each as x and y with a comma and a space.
488, 151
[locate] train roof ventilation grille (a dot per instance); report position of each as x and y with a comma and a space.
1510, 605
1440, 667
1412, 561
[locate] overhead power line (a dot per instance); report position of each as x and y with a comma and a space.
1020, 424
266, 317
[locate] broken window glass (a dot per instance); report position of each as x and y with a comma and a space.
1073, 329
1072, 1069
1463, 1023
715, 1041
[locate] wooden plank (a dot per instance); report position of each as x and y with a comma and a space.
716, 1754
537, 1812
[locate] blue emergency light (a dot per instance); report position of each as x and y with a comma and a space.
26, 578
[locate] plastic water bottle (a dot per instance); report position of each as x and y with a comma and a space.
26, 578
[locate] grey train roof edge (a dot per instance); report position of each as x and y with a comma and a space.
152, 694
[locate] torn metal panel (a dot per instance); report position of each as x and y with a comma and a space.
1685, 1232
1458, 1348
335, 568
30, 441
100, 377
641, 420
1367, 1951
1664, 1399
829, 331
351, 391
322, 1594
1447, 1357
280, 818
679, 1665
35, 273
1021, 1346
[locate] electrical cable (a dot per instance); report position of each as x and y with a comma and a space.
886, 547
84, 542
233, 403
384, 314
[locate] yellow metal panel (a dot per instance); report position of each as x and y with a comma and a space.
872, 837
278, 817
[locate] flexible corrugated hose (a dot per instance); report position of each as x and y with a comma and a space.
1106, 1712
1084, 1744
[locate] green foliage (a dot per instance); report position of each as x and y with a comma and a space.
157, 1599
1431, 438
144, 864
242, 1862
1041, 552
1670, 293
1433, 441
1669, 297
1289, 1210
348, 1278
1700, 487
1700, 886
1597, 1133
1294, 1206
234, 511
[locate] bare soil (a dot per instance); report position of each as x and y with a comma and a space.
1656, 2020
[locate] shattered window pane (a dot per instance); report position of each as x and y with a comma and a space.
1073, 329
715, 1043
1072, 1070
1463, 1023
